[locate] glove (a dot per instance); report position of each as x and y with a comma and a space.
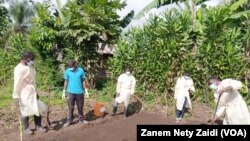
64, 94
86, 93
213, 120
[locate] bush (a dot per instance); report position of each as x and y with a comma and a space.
166, 47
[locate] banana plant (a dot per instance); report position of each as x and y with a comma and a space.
58, 8
162, 49
159, 3
153, 4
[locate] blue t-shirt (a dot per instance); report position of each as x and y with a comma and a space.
75, 80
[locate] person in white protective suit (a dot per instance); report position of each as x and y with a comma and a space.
183, 88
231, 104
125, 88
25, 94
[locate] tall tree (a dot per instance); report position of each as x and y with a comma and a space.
75, 29
85, 22
4, 21
21, 13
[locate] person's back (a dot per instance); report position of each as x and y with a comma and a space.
230, 95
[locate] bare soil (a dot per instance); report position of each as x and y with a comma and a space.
107, 128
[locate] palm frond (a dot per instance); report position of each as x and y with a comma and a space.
21, 13
146, 9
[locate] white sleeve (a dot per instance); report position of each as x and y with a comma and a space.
192, 86
119, 83
19, 76
220, 110
17, 83
34, 77
133, 86
177, 88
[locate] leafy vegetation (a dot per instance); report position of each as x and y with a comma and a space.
57, 34
4, 21
207, 41
169, 45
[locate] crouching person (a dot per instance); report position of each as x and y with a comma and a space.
231, 105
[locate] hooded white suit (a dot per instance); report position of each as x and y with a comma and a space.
231, 103
125, 87
182, 88
24, 89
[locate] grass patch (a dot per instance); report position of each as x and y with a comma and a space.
5, 96
54, 101
5, 103
55, 98
105, 98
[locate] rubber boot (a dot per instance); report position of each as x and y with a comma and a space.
114, 110
125, 112
40, 129
25, 121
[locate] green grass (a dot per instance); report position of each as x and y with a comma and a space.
55, 97
53, 101
105, 98
5, 96
101, 96
5, 102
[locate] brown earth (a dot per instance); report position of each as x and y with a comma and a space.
107, 128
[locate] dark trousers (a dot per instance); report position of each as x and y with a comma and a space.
37, 120
71, 100
180, 113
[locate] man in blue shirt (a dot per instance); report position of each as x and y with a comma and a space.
74, 87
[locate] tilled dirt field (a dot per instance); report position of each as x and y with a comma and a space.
108, 128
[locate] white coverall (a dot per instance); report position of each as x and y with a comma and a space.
24, 89
231, 103
125, 87
182, 88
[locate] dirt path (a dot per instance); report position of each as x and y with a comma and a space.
105, 129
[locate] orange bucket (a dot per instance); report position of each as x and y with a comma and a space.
99, 109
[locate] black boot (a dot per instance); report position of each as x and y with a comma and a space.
38, 123
114, 110
125, 112
25, 121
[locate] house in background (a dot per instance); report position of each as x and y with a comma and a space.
106, 51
